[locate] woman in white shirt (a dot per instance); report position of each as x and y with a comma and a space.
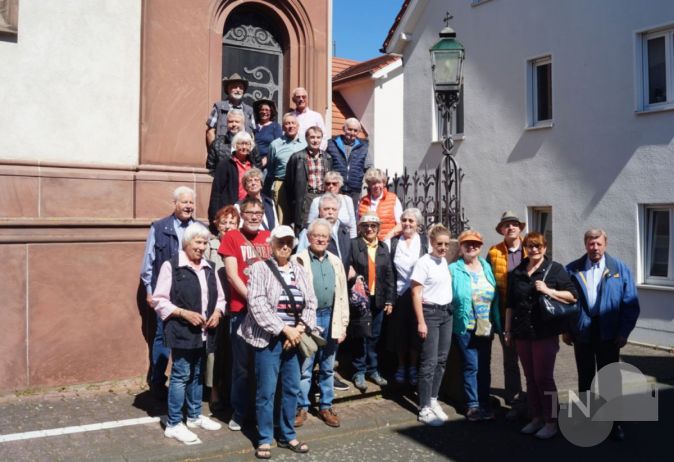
432, 298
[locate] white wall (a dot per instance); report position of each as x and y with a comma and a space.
597, 163
388, 122
70, 84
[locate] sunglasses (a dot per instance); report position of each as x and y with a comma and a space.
369, 225
331, 183
534, 246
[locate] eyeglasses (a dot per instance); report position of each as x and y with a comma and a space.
474, 244
331, 183
534, 246
253, 214
369, 225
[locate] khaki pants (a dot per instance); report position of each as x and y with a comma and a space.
278, 195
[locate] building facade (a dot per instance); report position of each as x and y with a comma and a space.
103, 114
567, 120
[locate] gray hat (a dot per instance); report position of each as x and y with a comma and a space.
235, 78
507, 216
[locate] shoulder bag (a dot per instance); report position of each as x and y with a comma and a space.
554, 310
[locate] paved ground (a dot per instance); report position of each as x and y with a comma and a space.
375, 426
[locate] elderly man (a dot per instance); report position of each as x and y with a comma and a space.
505, 257
305, 116
609, 312
280, 151
305, 174
163, 242
240, 249
340, 239
235, 88
350, 158
326, 272
221, 148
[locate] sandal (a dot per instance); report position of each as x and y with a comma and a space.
263, 453
299, 447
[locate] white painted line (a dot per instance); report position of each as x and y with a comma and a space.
77, 429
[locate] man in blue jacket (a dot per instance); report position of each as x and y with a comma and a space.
350, 158
609, 311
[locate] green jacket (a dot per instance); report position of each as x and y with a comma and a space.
462, 299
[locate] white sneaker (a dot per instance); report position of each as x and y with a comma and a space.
532, 427
547, 432
181, 433
428, 417
234, 425
437, 409
203, 422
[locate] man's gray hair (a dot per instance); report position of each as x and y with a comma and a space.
328, 197
334, 175
318, 222
195, 230
352, 120
595, 233
242, 136
236, 112
414, 213
180, 190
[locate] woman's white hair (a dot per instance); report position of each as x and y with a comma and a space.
414, 213
242, 136
193, 231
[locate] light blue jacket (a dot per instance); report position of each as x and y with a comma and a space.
462, 299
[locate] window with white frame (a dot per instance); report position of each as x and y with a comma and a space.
656, 56
539, 92
456, 119
657, 244
540, 220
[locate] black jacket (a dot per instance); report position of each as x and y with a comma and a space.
526, 322
296, 180
221, 148
385, 288
344, 244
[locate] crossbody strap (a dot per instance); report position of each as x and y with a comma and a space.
275, 271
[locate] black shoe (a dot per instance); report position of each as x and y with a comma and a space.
339, 385
617, 433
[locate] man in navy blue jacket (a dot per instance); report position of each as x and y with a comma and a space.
350, 158
609, 311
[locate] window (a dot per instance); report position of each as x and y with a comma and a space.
657, 249
655, 54
539, 81
541, 222
456, 119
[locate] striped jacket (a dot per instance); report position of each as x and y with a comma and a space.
262, 323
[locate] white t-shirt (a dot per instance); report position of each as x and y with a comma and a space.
433, 274
404, 261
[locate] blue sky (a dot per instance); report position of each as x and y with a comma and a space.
360, 26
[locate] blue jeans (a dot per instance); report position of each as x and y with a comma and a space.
269, 362
434, 352
326, 363
476, 352
185, 384
160, 355
365, 349
241, 352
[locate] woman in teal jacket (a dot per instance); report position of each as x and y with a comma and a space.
476, 319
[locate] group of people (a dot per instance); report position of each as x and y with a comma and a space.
297, 251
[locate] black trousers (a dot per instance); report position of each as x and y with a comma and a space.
592, 356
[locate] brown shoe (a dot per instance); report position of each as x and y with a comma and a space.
300, 417
330, 417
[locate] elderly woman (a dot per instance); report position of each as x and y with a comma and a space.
227, 188
537, 339
225, 220
385, 204
267, 129
431, 296
279, 311
190, 300
333, 182
371, 259
252, 183
405, 251
476, 319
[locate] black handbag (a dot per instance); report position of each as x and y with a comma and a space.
554, 310
360, 324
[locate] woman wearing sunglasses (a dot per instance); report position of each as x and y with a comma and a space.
537, 340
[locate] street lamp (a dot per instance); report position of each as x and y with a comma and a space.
447, 57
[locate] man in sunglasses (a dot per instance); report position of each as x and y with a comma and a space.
505, 257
